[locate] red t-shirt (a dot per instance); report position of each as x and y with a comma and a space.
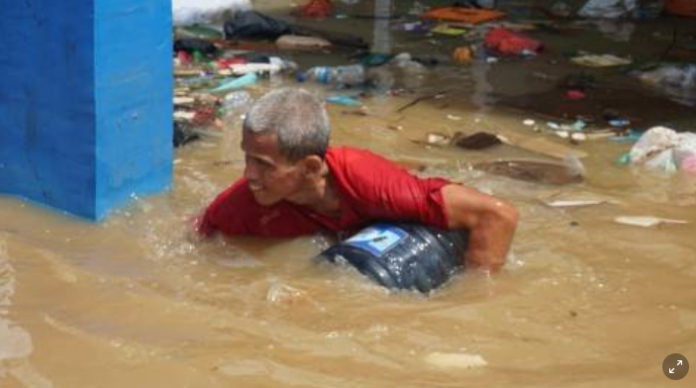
371, 188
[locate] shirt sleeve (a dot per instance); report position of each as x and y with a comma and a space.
385, 191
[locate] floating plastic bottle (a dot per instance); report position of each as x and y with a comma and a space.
340, 75
403, 256
237, 99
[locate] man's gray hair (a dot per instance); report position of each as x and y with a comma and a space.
297, 117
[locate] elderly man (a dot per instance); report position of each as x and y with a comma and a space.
295, 184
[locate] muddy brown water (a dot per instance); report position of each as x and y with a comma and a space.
134, 302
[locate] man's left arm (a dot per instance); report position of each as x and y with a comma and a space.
491, 223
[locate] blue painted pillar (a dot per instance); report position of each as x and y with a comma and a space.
85, 102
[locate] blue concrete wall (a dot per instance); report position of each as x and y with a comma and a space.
134, 87
85, 101
47, 105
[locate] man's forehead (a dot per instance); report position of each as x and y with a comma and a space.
263, 145
264, 139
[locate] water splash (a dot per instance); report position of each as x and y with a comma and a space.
15, 342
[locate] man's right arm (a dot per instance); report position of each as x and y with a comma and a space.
491, 223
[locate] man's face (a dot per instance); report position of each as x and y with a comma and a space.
271, 176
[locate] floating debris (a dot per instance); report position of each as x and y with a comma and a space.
344, 100
575, 95
463, 55
184, 100
184, 115
477, 141
533, 171
446, 29
435, 138
604, 60
575, 203
578, 137
455, 360
647, 221
462, 14
243, 81
296, 42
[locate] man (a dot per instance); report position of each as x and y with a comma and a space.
295, 184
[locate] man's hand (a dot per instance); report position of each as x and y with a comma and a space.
491, 223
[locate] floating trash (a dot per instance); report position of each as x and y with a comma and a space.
646, 221
533, 171
455, 360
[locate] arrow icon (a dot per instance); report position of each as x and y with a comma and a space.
671, 370
679, 362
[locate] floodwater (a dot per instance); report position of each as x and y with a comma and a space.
582, 302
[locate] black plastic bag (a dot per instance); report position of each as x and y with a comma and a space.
192, 44
252, 24
183, 134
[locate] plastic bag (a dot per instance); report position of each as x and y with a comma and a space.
608, 9
683, 77
252, 24
316, 9
507, 42
192, 45
187, 12
663, 149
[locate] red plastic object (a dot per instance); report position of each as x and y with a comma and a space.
507, 42
574, 95
204, 116
681, 7
184, 57
225, 63
316, 9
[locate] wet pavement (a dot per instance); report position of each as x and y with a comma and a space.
583, 301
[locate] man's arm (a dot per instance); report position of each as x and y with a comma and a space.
491, 223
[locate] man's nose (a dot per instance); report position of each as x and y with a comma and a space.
250, 171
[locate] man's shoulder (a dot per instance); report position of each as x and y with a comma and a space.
362, 172
348, 158
348, 151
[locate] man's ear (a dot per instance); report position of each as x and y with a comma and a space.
313, 165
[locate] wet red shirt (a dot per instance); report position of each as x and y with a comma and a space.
371, 188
